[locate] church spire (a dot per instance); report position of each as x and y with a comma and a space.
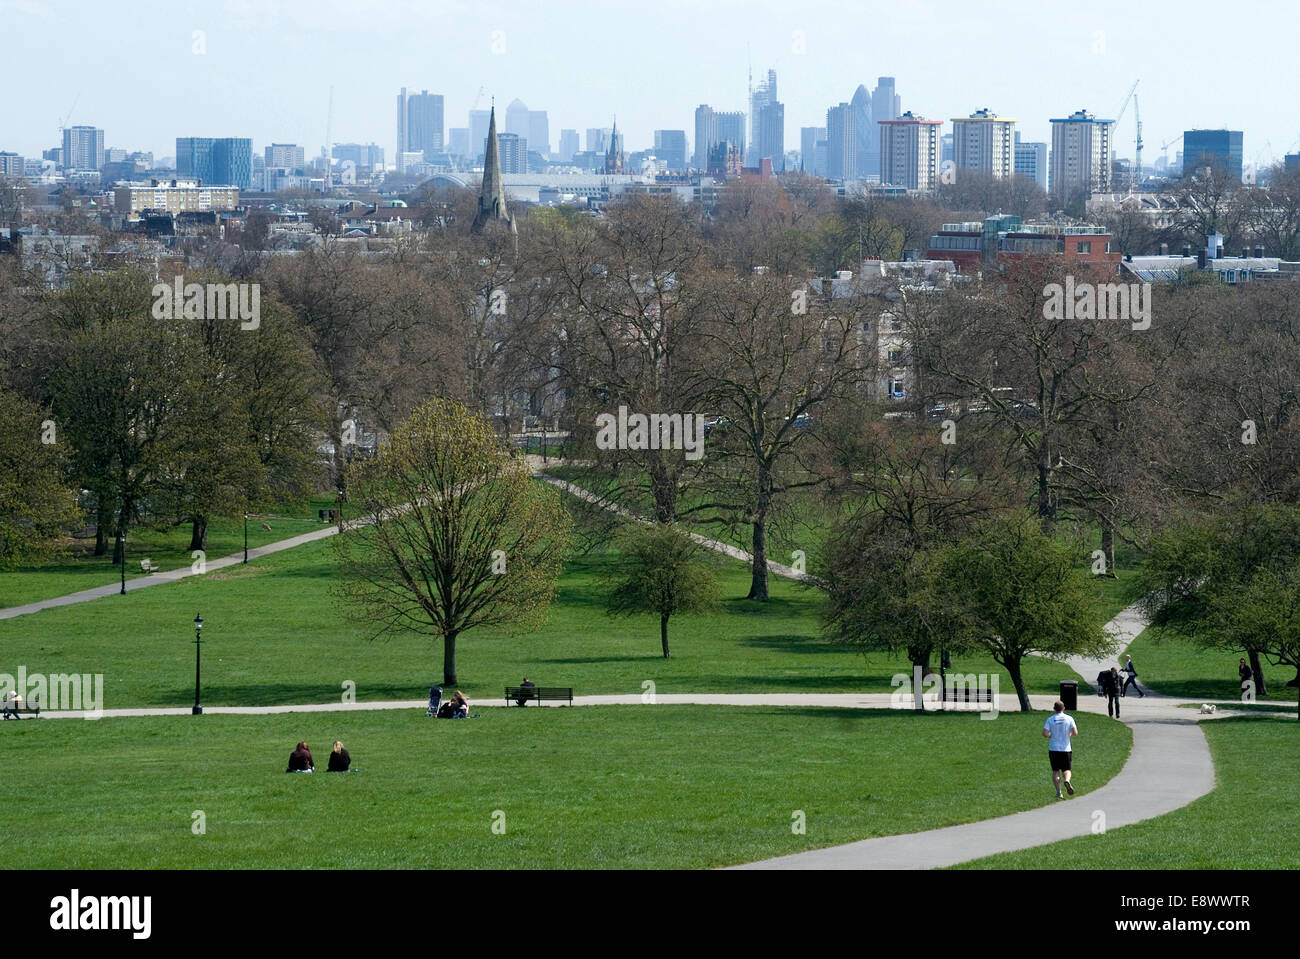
492, 196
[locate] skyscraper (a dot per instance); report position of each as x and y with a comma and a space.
597, 139
1031, 161
764, 95
986, 142
478, 131
539, 133
909, 152
512, 153
809, 137
670, 146
424, 125
1213, 148
841, 143
568, 145
867, 133
1081, 157
518, 118
287, 155
458, 141
492, 194
83, 148
226, 161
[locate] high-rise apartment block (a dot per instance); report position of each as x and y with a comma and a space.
1081, 157
288, 156
83, 148
984, 142
909, 152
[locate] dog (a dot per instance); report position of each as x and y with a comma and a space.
1208, 709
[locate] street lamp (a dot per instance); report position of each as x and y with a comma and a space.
198, 629
121, 550
245, 537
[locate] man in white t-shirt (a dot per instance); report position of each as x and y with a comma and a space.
1059, 729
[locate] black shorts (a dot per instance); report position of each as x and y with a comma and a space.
1060, 760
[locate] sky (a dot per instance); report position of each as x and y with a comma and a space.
149, 71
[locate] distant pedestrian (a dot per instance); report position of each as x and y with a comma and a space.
1132, 678
1059, 729
1110, 686
1244, 671
340, 761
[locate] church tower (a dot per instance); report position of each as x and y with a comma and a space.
614, 155
492, 196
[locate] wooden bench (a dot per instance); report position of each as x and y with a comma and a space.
148, 566
968, 694
521, 694
14, 708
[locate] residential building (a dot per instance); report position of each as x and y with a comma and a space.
997, 240
1216, 148
1080, 163
909, 152
11, 164
174, 196
286, 155
83, 148
512, 152
986, 142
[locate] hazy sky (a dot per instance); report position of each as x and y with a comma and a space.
266, 66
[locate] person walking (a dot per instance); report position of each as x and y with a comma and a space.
1110, 686
1059, 729
1132, 678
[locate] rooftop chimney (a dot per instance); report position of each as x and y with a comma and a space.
1259, 252
1164, 249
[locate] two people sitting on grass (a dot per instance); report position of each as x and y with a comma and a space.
300, 760
455, 708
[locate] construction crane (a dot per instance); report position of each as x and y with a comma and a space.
1137, 162
1164, 148
63, 124
1132, 95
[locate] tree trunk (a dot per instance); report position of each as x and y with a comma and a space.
663, 634
1108, 547
1044, 488
101, 521
1257, 670
758, 575
920, 656
449, 660
199, 533
1013, 668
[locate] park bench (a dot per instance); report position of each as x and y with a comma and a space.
968, 694
148, 566
13, 709
521, 694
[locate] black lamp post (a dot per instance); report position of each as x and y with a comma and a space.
245, 537
198, 629
121, 549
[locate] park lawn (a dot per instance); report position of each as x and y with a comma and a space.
274, 634
590, 787
1250, 821
1175, 666
168, 548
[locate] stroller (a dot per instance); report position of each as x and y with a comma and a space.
435, 697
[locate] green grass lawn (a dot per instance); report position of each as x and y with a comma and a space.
1176, 667
602, 787
1250, 821
168, 548
274, 634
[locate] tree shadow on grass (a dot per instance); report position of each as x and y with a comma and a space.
291, 694
576, 660
793, 643
791, 684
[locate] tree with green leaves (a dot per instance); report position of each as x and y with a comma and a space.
661, 571
35, 504
1014, 590
452, 533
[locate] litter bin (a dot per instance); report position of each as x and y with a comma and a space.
1070, 693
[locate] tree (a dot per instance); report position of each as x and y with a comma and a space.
1014, 591
1231, 581
35, 505
452, 533
661, 572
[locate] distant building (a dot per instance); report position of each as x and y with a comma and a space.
286, 155
1080, 163
1217, 148
716, 126
458, 141
1031, 161
725, 160
986, 142
909, 152
598, 139
174, 196
997, 240
478, 131
224, 161
83, 148
841, 143
363, 155
420, 123
539, 133
670, 147
814, 161
568, 145
766, 125
1291, 161
512, 151
11, 164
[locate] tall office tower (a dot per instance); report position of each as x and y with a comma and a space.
225, 161
362, 154
729, 127
986, 142
704, 136
909, 152
512, 151
458, 141
884, 106
479, 120
424, 123
1081, 157
841, 143
760, 97
568, 145
771, 135
809, 137
598, 140
83, 148
518, 118
670, 147
286, 155
1031, 161
539, 133
401, 122
867, 133
1213, 148
945, 149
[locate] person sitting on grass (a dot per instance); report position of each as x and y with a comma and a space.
300, 760
339, 759
460, 704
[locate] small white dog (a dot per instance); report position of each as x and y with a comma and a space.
1208, 708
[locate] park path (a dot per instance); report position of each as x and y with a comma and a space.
171, 576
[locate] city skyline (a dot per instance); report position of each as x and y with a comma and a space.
246, 68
